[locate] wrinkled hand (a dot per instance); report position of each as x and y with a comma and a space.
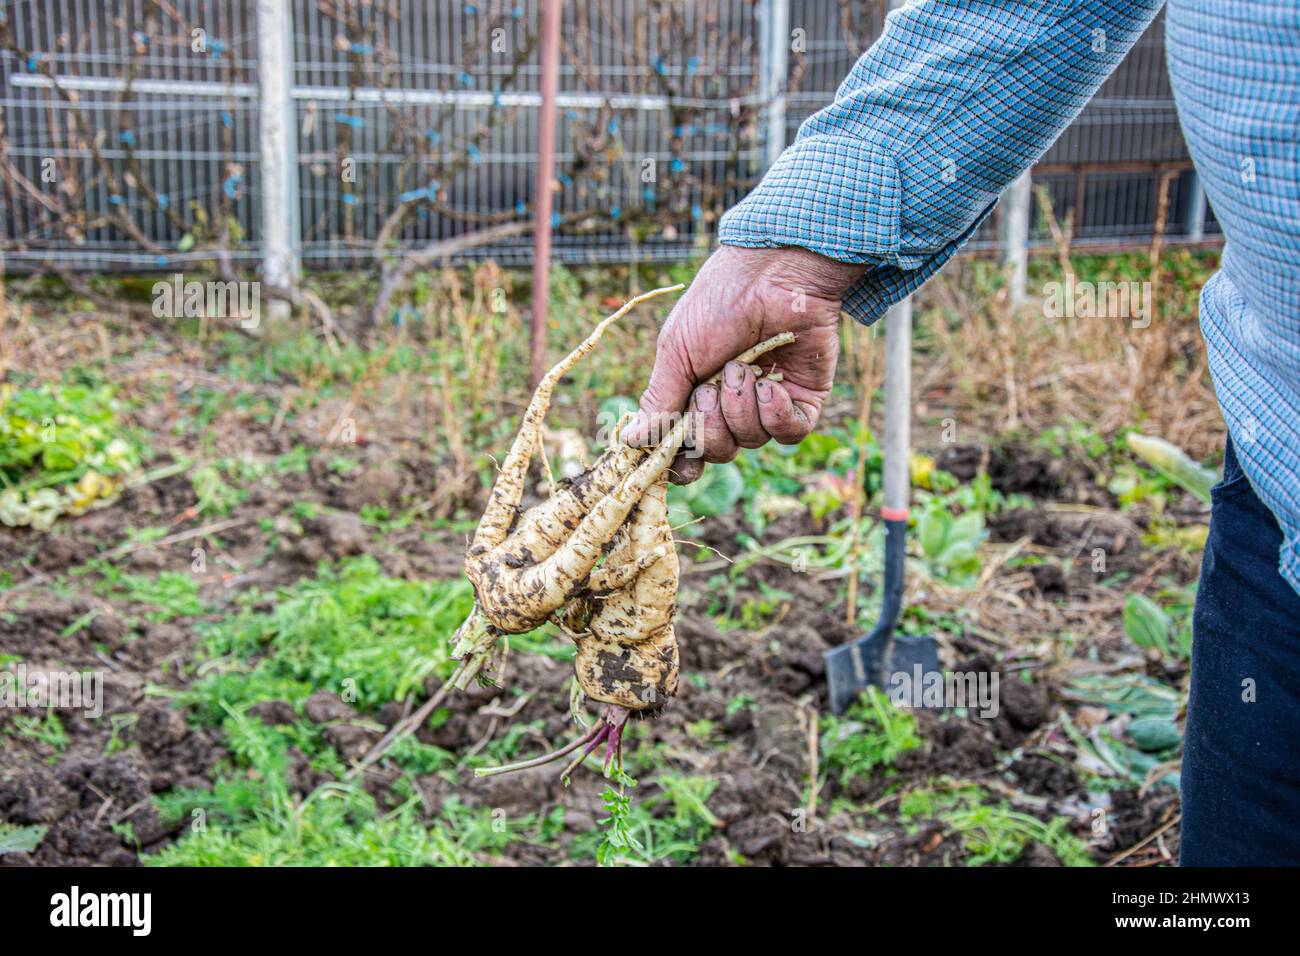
739, 298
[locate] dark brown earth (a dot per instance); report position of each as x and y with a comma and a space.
95, 796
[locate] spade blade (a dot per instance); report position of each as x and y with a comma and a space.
852, 668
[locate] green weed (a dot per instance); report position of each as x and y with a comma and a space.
16, 839
251, 818
638, 833
999, 835
368, 637
872, 733
992, 833
62, 451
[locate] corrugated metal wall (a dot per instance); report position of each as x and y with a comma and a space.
440, 96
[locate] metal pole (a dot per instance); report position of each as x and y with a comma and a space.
278, 150
1197, 205
897, 474
898, 404
551, 10
1014, 235
774, 63
874, 653
898, 410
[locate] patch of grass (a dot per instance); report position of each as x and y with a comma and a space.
1133, 483
689, 796
16, 839
62, 451
740, 702
368, 637
371, 639
199, 408
927, 802
872, 733
170, 595
416, 757
992, 832
47, 729
296, 461
251, 818
220, 486
1151, 627
731, 610
1071, 439
671, 824
173, 594
121, 728
54, 434
505, 748
998, 834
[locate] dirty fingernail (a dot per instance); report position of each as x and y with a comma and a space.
684, 471
734, 375
706, 398
764, 389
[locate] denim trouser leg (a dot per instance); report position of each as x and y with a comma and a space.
1241, 762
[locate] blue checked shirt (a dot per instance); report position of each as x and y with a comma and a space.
958, 97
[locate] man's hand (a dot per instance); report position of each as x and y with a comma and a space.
740, 298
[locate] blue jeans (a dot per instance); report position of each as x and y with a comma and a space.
1241, 756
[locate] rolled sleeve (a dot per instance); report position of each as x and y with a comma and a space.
951, 104
835, 195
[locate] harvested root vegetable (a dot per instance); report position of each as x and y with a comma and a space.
596, 558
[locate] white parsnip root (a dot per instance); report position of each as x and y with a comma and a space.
597, 558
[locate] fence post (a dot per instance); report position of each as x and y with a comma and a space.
773, 63
1013, 234
552, 11
278, 150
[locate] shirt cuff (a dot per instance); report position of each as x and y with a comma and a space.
880, 288
841, 197
835, 195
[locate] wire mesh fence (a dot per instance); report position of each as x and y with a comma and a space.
130, 137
